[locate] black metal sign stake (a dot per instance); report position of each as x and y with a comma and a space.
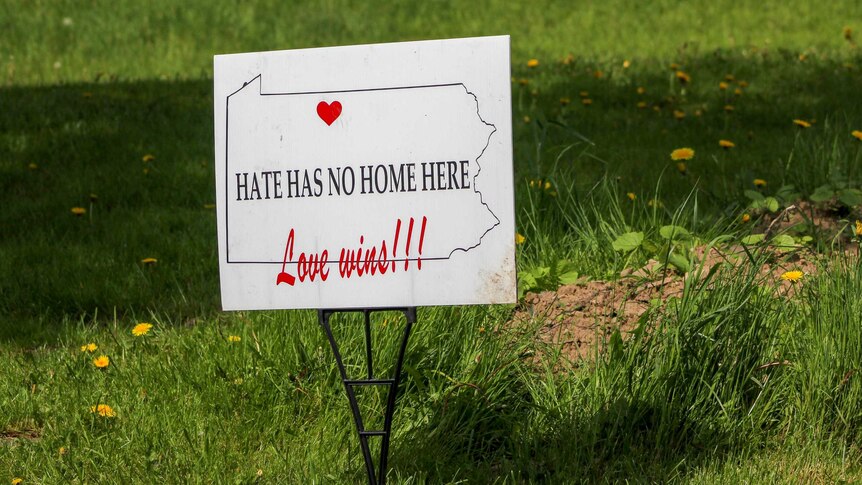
378, 478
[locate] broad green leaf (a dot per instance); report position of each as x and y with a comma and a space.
674, 233
783, 241
771, 204
680, 262
850, 197
822, 194
753, 195
569, 277
753, 239
628, 241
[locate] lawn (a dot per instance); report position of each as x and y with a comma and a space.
733, 369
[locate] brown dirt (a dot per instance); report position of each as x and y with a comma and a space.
12, 434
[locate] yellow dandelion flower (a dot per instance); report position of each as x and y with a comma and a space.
856, 134
547, 185
674, 66
729, 108
627, 64
858, 230
149, 261
565, 101
568, 59
523, 81
727, 144
598, 74
802, 123
103, 410
519, 239
722, 85
737, 92
641, 90
141, 329
729, 78
681, 167
792, 276
682, 154
17, 481
746, 217
78, 211
32, 166
742, 84
803, 57
678, 114
584, 94
533, 63
759, 183
90, 347
148, 158
682, 77
642, 104
631, 196
527, 119
234, 338
62, 451
586, 101
102, 361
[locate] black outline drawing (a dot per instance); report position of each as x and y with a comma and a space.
261, 93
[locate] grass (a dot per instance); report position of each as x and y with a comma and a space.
734, 381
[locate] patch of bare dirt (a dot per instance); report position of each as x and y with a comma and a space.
13, 434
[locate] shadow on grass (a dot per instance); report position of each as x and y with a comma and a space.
86, 146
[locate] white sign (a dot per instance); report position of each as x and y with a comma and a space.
365, 176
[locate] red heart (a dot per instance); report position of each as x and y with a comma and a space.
329, 112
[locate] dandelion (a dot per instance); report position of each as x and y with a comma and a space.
519, 239
565, 101
726, 144
678, 114
792, 276
527, 120
742, 84
674, 66
858, 230
90, 347
682, 154
149, 157
584, 94
746, 217
642, 104
141, 329
103, 410
682, 77
729, 78
533, 63
234, 338
737, 92
523, 81
62, 451
856, 134
598, 74
722, 85
102, 361
627, 64
729, 108
78, 211
641, 90
681, 167
760, 183
586, 101
547, 185
631, 196
17, 480
149, 261
568, 59
802, 123
32, 166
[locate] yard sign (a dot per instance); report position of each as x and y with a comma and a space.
365, 176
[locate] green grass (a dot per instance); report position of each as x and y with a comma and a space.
690, 396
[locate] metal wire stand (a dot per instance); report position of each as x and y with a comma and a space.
375, 477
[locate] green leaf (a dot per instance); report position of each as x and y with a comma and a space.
753, 195
628, 241
850, 197
674, 233
753, 239
771, 204
783, 241
680, 262
569, 277
822, 193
